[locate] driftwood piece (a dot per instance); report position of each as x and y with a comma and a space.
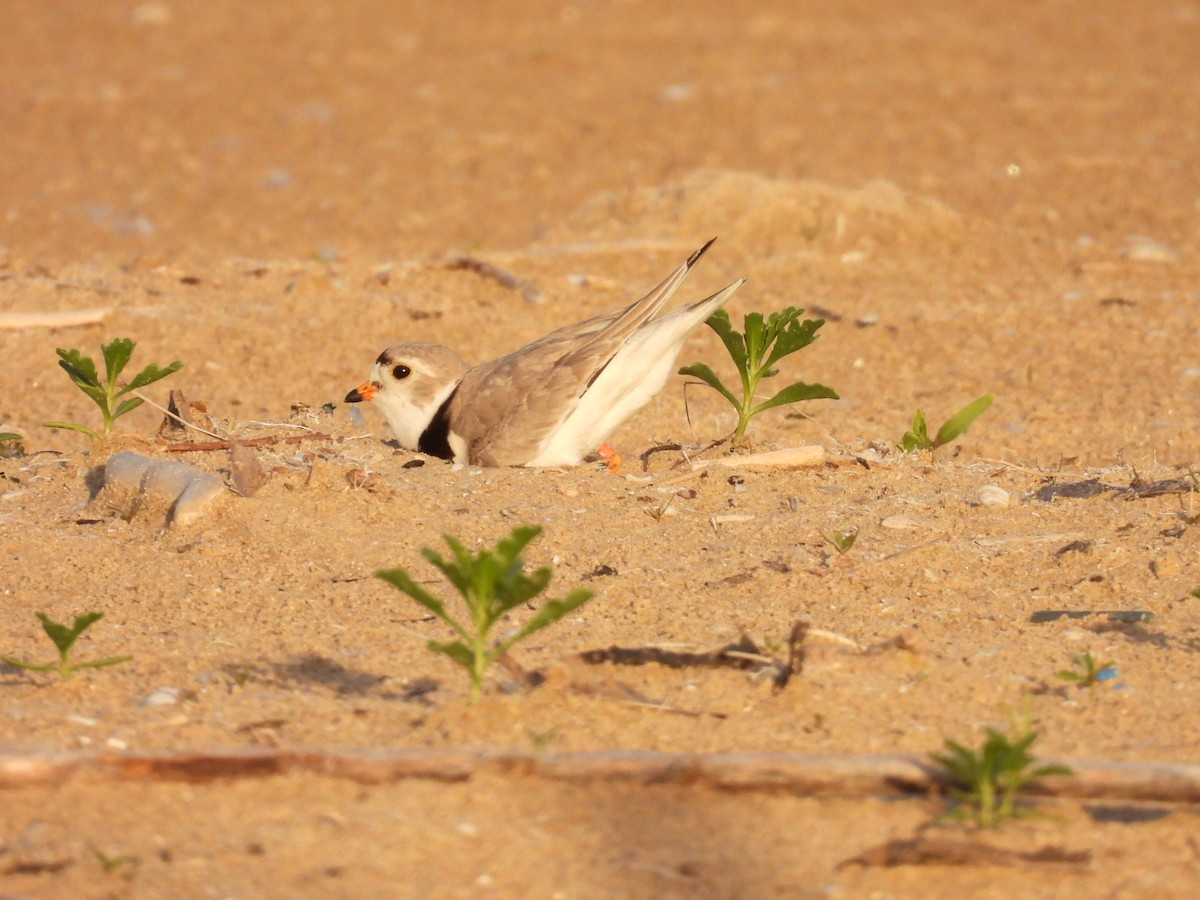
939, 851
787, 458
66, 318
797, 773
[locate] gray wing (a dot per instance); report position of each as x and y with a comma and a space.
506, 409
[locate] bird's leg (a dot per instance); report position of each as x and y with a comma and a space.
611, 458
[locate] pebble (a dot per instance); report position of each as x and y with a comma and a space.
1141, 248
993, 495
189, 490
676, 93
86, 721
151, 14
903, 522
163, 696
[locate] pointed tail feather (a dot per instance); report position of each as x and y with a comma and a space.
632, 318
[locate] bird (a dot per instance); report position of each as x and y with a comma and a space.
550, 403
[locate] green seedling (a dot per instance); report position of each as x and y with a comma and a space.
841, 541
755, 353
919, 439
988, 780
122, 864
107, 394
1087, 672
491, 583
11, 445
64, 639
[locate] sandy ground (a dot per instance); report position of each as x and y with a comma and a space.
978, 198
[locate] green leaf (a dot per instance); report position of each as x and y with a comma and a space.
116, 357
755, 340
101, 663
733, 340
962, 420
918, 437
456, 650
451, 569
709, 377
72, 426
9, 436
548, 614
511, 547
796, 336
82, 371
64, 637
401, 579
32, 667
511, 593
80, 368
127, 406
151, 374
794, 393
1050, 769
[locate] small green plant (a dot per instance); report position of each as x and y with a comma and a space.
64, 638
107, 393
754, 352
841, 541
919, 439
1087, 672
989, 779
122, 864
491, 583
11, 445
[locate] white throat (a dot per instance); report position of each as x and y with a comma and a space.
409, 418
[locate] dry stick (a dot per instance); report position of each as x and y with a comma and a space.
251, 442
223, 443
489, 270
798, 773
168, 413
63, 319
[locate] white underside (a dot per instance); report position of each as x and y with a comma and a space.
636, 374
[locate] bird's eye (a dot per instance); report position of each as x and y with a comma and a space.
401, 372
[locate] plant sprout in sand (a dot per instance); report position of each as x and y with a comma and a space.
755, 352
64, 639
107, 394
491, 583
988, 780
918, 438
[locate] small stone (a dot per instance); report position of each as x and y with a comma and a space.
151, 14
1141, 248
85, 721
189, 490
245, 471
676, 93
164, 696
903, 522
993, 495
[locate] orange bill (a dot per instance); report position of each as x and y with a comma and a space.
365, 391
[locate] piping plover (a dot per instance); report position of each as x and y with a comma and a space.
549, 403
